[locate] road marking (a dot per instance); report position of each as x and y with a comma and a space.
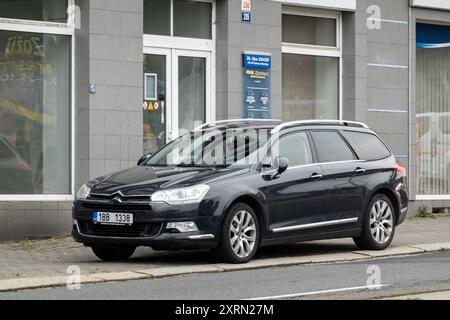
313, 293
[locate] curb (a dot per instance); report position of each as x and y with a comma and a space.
162, 272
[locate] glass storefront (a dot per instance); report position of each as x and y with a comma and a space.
38, 10
310, 66
310, 87
433, 110
34, 113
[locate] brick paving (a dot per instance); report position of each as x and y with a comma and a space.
52, 257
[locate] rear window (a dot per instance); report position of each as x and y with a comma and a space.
367, 146
331, 147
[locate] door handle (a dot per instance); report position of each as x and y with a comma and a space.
316, 176
360, 171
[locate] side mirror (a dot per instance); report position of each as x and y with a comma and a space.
143, 159
280, 165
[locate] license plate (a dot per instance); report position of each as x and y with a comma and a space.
115, 218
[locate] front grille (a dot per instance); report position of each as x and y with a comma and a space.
124, 207
138, 230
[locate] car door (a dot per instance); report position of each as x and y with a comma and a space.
295, 198
344, 178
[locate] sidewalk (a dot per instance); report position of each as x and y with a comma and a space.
51, 258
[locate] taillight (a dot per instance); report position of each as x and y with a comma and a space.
398, 167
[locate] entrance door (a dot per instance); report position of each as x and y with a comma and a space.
177, 94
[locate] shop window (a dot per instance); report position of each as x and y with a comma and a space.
310, 87
191, 19
311, 59
38, 10
433, 110
34, 113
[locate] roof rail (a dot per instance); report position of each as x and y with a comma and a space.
213, 123
323, 122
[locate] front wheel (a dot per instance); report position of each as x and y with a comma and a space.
379, 225
113, 253
240, 235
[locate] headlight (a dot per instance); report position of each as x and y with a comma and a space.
193, 194
83, 192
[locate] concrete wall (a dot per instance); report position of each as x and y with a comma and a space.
233, 36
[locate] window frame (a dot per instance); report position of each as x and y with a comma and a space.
316, 50
56, 28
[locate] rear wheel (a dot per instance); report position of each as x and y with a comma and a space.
240, 235
379, 225
113, 253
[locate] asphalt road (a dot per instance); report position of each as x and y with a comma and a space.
401, 275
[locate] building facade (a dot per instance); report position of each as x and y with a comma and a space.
88, 86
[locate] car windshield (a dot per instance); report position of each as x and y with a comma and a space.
213, 148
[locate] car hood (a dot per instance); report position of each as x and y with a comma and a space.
143, 180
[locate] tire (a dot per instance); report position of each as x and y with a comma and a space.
379, 225
240, 217
113, 253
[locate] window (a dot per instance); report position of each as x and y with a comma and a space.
330, 147
39, 10
295, 147
367, 146
313, 30
311, 58
310, 87
191, 19
157, 17
433, 110
35, 113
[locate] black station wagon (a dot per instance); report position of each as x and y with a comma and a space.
234, 186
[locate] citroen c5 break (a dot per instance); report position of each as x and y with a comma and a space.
235, 186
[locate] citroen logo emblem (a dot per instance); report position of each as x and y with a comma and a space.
118, 199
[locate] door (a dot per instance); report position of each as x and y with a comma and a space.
157, 98
344, 178
177, 94
191, 90
295, 199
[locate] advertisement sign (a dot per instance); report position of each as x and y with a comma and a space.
246, 6
257, 95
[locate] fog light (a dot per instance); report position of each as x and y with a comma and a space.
188, 226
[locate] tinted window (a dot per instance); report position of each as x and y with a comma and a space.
367, 146
5, 151
295, 147
331, 147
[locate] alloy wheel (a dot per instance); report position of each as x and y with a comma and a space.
381, 222
243, 234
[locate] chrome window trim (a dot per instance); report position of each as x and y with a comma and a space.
315, 225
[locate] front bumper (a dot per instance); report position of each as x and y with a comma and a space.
149, 228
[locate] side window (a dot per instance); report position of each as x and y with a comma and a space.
367, 146
295, 147
331, 147
5, 151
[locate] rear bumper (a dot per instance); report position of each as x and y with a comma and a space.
403, 201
